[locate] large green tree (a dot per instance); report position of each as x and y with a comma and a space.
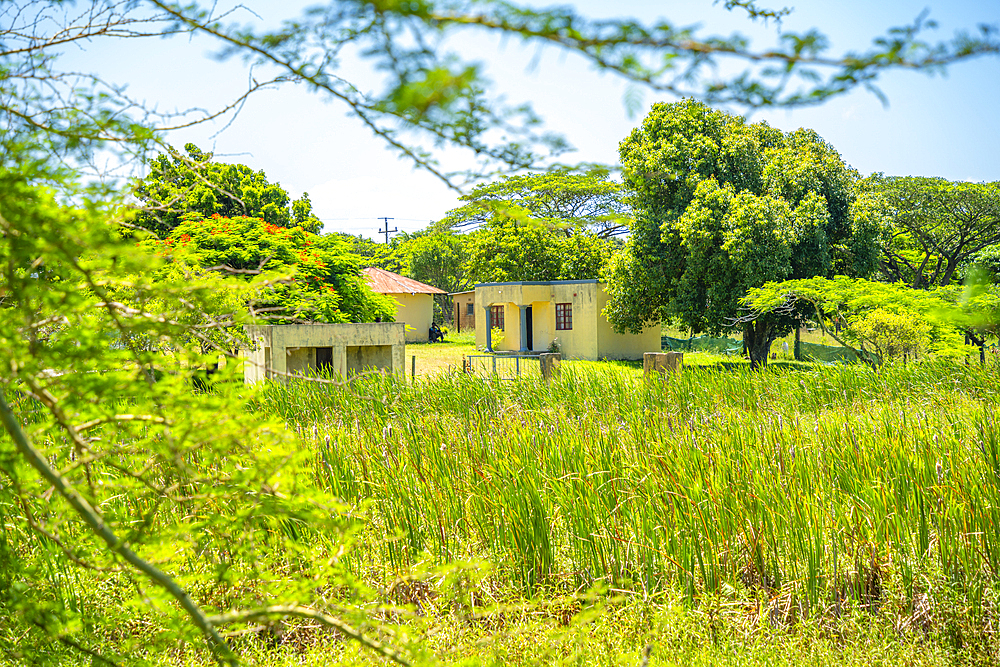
937, 226
880, 320
193, 182
723, 206
509, 251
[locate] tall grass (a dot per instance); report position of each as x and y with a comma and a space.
829, 487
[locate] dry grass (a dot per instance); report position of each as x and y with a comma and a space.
433, 359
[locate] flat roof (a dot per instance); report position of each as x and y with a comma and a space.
589, 281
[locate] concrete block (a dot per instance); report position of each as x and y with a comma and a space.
549, 363
661, 362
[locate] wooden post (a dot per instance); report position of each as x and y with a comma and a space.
549, 363
413, 369
661, 362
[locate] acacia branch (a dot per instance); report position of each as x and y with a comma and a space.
241, 616
93, 518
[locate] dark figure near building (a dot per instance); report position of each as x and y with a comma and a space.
435, 334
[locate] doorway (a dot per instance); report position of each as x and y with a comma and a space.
527, 323
324, 360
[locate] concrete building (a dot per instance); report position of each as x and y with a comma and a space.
415, 299
343, 350
463, 310
531, 314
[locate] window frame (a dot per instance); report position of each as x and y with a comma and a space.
564, 317
497, 315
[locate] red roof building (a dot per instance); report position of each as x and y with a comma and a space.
387, 282
415, 300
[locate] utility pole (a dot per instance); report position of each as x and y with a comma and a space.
387, 231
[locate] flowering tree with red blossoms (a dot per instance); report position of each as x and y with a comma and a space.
294, 275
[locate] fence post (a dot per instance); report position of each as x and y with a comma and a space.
413, 369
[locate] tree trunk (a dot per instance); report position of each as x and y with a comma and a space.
757, 339
980, 342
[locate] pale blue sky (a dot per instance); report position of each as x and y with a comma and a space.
933, 126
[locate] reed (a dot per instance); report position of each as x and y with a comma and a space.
828, 487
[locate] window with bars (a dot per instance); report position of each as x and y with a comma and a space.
496, 317
564, 316
469, 309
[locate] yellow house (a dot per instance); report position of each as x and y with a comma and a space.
464, 307
415, 301
531, 315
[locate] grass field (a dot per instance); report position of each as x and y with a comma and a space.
825, 500
832, 515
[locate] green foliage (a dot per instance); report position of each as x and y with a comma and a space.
309, 278
112, 462
507, 251
985, 265
723, 206
892, 334
937, 226
890, 318
180, 184
562, 201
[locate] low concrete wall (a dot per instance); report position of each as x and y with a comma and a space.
343, 350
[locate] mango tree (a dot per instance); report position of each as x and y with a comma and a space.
721, 207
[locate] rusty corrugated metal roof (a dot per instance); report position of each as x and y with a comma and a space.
387, 282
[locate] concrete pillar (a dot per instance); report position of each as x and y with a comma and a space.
661, 362
339, 362
549, 363
524, 329
489, 329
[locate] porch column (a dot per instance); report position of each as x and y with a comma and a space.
489, 329
524, 328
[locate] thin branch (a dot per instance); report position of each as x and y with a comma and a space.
237, 616
93, 518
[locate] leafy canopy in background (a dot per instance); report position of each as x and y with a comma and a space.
561, 200
179, 184
937, 226
319, 279
889, 318
506, 251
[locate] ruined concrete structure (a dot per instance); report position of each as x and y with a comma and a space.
342, 350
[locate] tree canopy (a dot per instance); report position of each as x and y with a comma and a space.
937, 226
193, 182
565, 201
887, 319
723, 206
313, 278
507, 251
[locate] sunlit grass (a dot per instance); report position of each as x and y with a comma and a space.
829, 486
